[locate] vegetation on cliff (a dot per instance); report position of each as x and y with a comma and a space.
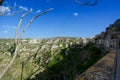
49, 59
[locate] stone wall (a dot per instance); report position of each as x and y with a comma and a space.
102, 70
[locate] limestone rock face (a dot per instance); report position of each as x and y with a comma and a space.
50, 45
111, 37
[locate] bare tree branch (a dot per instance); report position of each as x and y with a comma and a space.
16, 50
19, 25
28, 24
22, 63
13, 10
18, 39
17, 46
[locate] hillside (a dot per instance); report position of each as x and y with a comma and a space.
49, 59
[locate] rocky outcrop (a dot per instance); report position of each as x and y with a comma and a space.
44, 45
111, 37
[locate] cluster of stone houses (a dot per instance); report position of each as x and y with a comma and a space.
111, 37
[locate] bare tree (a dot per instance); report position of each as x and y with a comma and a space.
19, 37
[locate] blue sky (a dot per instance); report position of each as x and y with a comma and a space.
68, 19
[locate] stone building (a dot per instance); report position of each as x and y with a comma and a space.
111, 37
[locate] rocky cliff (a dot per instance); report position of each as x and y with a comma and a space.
111, 37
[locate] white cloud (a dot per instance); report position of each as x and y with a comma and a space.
9, 13
75, 14
8, 27
5, 31
14, 27
38, 11
4, 10
23, 8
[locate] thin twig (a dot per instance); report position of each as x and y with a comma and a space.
22, 70
20, 22
12, 12
5, 70
17, 47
